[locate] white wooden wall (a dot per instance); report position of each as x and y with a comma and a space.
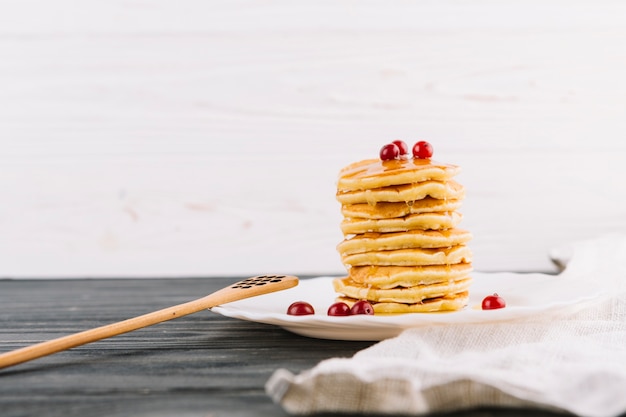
203, 138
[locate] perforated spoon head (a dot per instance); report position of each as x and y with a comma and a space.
251, 287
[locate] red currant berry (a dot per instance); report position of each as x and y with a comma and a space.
402, 147
339, 309
300, 308
422, 150
389, 151
493, 302
362, 307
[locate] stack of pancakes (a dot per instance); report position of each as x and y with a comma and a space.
401, 247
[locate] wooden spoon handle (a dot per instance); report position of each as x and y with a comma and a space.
250, 287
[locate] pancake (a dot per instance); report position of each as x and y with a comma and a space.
450, 302
372, 241
385, 210
407, 295
374, 173
423, 221
408, 257
404, 193
407, 276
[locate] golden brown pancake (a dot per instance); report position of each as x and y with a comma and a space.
404, 193
407, 295
386, 210
407, 276
423, 221
449, 302
407, 257
374, 173
375, 241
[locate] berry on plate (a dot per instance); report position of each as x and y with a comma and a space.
339, 309
300, 308
362, 307
493, 302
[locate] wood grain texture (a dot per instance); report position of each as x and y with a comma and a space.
195, 365
250, 287
199, 365
204, 138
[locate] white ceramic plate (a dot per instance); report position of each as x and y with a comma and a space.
526, 295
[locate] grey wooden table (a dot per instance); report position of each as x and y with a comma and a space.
199, 365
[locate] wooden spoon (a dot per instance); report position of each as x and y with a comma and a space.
258, 285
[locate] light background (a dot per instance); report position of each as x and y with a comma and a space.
203, 138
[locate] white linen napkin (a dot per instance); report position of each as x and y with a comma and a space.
573, 363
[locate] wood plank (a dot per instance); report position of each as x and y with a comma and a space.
195, 365
155, 139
